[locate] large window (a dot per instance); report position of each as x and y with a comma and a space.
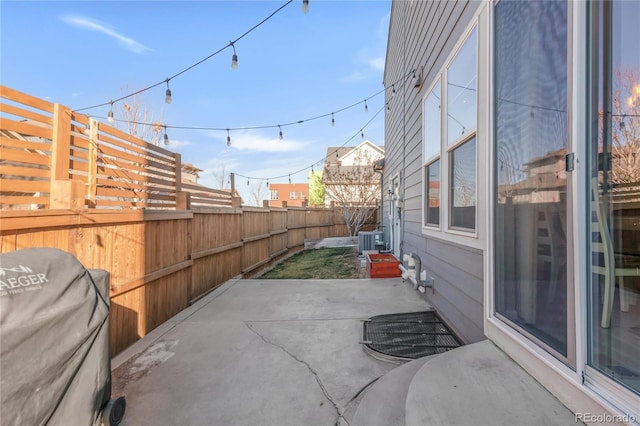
432, 145
451, 154
531, 140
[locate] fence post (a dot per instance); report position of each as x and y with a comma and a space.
183, 198
235, 201
93, 162
64, 193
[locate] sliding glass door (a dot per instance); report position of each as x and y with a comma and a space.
614, 192
531, 144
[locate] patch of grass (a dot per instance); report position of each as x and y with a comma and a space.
324, 263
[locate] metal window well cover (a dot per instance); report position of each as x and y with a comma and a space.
407, 336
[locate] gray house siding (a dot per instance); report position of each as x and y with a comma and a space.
422, 35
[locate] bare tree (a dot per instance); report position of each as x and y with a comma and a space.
133, 113
355, 189
626, 126
258, 191
221, 177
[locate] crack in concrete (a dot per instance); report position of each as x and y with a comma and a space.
311, 370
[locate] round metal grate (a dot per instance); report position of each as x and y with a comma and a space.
409, 335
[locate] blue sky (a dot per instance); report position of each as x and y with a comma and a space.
293, 67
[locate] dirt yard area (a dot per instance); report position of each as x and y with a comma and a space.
323, 263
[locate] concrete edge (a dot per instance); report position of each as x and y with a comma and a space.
157, 333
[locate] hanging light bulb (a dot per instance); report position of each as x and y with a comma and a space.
267, 183
388, 107
247, 181
366, 107
333, 120
361, 133
622, 123
312, 172
166, 138
110, 114
305, 6
234, 58
228, 138
393, 90
167, 97
289, 179
281, 136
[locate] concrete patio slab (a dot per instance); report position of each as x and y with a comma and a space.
261, 352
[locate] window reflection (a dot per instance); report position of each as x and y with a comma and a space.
463, 185
530, 146
614, 218
462, 90
432, 191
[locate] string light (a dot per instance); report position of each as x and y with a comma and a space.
289, 179
247, 181
279, 126
110, 114
193, 65
228, 138
393, 90
234, 58
361, 133
167, 97
166, 138
305, 6
280, 134
320, 162
366, 107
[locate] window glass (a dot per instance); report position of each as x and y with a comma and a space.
614, 216
431, 124
432, 194
293, 195
531, 138
463, 185
462, 91
274, 194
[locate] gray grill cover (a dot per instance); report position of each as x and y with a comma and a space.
54, 339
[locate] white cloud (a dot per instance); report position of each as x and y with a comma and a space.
248, 141
377, 63
94, 25
178, 143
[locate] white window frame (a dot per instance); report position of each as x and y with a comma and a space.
293, 195
272, 193
427, 162
471, 238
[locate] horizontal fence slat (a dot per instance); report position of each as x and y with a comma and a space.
24, 129
215, 250
11, 170
203, 189
108, 153
127, 141
116, 192
25, 145
21, 112
22, 156
23, 200
15, 185
23, 98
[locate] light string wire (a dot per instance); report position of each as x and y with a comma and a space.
268, 126
166, 80
319, 161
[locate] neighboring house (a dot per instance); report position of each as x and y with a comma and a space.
349, 177
509, 133
190, 173
293, 194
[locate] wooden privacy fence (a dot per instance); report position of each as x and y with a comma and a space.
118, 203
52, 157
161, 261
